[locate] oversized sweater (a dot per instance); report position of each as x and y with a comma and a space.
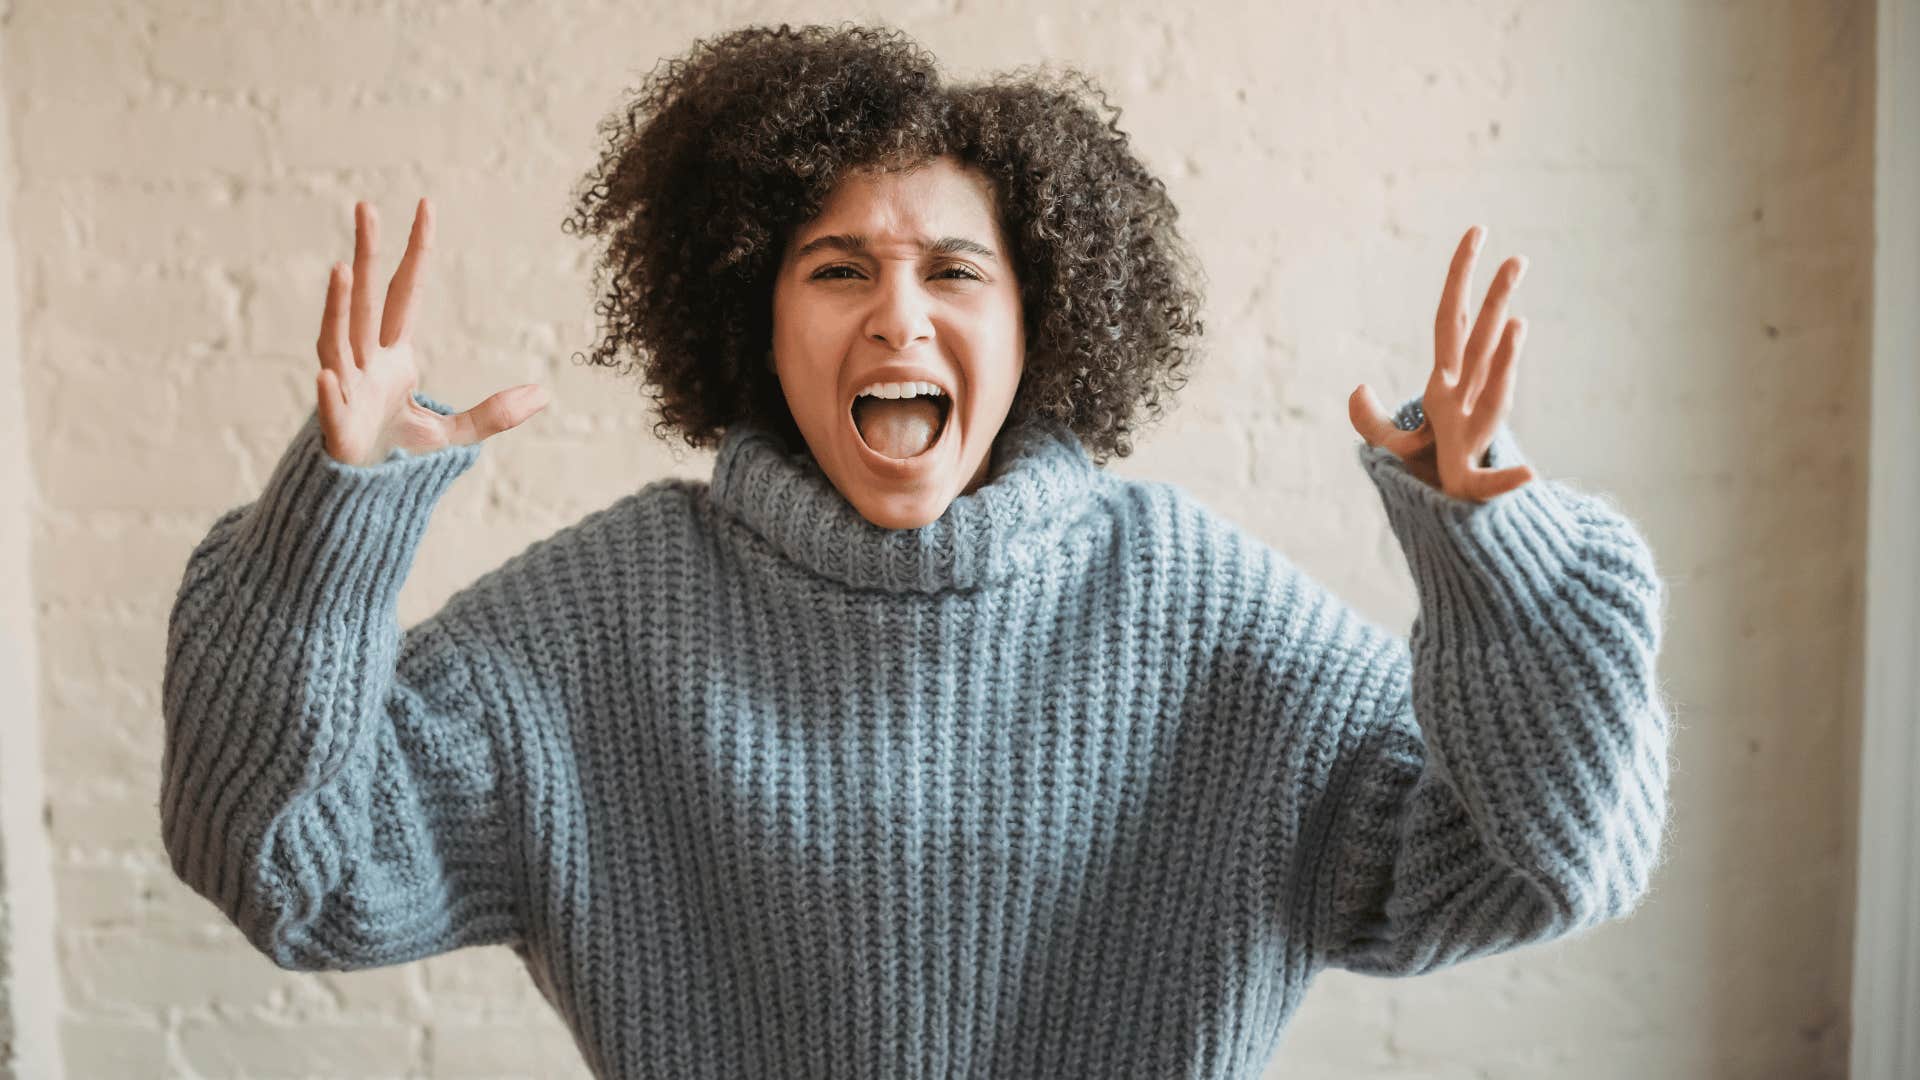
1079, 780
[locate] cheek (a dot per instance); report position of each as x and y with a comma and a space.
1011, 320
812, 326
987, 321
1014, 330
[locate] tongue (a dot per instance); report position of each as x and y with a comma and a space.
897, 427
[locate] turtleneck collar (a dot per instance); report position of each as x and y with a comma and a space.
1041, 481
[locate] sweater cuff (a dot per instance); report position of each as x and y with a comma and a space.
1481, 567
319, 518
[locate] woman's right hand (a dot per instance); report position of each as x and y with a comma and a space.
365, 394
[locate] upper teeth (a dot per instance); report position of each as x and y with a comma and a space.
901, 390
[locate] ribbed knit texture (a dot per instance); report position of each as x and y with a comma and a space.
1080, 780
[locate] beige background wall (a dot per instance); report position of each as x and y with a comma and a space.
1691, 180
29, 1024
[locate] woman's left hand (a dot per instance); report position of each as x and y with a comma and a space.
1469, 393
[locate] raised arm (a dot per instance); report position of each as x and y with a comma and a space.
340, 790
1507, 781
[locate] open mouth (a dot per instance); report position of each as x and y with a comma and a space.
901, 428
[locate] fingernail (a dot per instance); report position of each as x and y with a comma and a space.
1479, 237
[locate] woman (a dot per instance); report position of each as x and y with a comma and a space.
914, 743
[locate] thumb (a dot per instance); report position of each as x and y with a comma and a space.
1376, 426
1369, 419
507, 409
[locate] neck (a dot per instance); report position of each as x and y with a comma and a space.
1036, 482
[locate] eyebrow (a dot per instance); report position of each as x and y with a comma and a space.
856, 244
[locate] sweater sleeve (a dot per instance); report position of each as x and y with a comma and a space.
332, 784
1508, 782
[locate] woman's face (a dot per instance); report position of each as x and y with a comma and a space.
903, 277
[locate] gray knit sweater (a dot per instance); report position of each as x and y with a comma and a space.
1079, 780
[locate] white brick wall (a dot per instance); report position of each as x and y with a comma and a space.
29, 1015
1690, 179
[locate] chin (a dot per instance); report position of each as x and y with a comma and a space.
901, 511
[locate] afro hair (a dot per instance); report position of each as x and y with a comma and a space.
721, 154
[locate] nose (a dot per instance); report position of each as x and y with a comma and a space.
899, 316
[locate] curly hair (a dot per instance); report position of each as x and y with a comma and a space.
723, 153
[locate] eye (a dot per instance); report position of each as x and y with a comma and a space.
827, 272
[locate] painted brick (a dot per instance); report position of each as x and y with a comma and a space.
1692, 181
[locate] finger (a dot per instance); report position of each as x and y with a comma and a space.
1497, 392
507, 409
331, 404
366, 234
1376, 425
395, 322
1408, 443
1450, 324
333, 324
1493, 317
1485, 484
1368, 418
